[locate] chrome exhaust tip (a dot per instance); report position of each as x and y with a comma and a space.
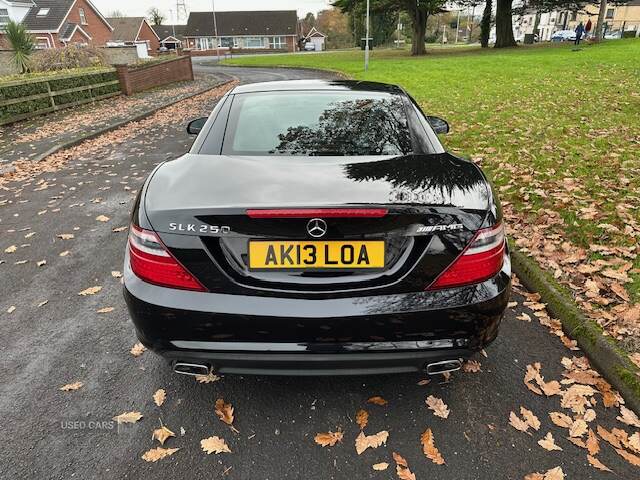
446, 366
192, 369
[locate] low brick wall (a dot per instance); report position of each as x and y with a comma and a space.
138, 79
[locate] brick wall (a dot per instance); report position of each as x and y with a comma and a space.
138, 79
148, 35
100, 33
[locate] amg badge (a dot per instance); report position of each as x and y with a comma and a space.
440, 228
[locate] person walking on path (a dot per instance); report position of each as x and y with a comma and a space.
579, 33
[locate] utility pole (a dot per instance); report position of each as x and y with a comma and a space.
366, 42
215, 29
457, 25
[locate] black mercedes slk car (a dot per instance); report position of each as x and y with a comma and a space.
317, 227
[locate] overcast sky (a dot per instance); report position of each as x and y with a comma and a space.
140, 7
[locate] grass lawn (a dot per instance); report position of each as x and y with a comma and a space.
558, 131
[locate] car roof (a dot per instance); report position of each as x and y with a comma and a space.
302, 85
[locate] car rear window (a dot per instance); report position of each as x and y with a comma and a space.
310, 123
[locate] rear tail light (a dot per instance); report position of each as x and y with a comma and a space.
317, 212
481, 260
151, 261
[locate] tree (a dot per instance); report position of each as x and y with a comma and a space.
116, 14
156, 16
382, 24
485, 24
307, 23
21, 42
418, 11
335, 25
504, 24
603, 10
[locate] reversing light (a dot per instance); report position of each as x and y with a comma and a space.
481, 260
152, 262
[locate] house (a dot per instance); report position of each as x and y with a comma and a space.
171, 36
56, 23
257, 30
134, 31
316, 38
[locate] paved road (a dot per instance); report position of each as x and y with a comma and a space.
48, 433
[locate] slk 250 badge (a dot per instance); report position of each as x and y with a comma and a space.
191, 227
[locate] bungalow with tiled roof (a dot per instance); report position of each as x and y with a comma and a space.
134, 31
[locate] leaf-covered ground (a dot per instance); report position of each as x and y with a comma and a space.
558, 130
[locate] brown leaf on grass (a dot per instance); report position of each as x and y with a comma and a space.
377, 401
159, 397
224, 411
438, 407
208, 378
530, 418
561, 420
548, 443
517, 423
402, 468
362, 418
620, 291
380, 466
127, 417
90, 291
328, 439
629, 457
162, 434
138, 349
158, 453
70, 387
214, 445
429, 448
594, 462
628, 417
370, 441
592, 443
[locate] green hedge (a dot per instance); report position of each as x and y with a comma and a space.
31, 87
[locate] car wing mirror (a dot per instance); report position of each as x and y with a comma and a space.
438, 124
196, 126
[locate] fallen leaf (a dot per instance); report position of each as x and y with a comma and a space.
70, 387
138, 349
517, 423
471, 366
116, 274
159, 397
119, 229
214, 445
377, 401
208, 378
328, 439
530, 418
561, 420
102, 218
554, 474
634, 442
380, 466
128, 417
224, 411
628, 417
370, 441
609, 437
11, 309
64, 254
629, 457
105, 310
548, 443
592, 443
597, 464
362, 418
578, 429
429, 448
438, 407
162, 434
402, 468
90, 291
158, 453
66, 236
11, 249
41, 263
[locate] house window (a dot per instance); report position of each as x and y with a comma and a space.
610, 12
4, 16
277, 42
227, 42
254, 42
43, 12
83, 18
42, 43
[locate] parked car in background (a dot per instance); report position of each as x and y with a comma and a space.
309, 47
613, 35
563, 36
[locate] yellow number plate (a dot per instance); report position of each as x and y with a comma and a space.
315, 254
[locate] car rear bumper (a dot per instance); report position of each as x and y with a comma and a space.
289, 336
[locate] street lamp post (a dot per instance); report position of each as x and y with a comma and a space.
366, 42
215, 29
